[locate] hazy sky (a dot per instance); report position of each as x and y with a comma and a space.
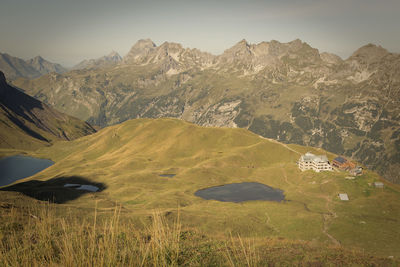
68, 31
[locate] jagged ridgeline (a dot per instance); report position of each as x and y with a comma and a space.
287, 91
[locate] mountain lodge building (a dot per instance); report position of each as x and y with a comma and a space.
317, 163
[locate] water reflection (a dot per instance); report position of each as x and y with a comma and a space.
240, 192
18, 167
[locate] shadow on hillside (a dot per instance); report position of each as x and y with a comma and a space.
53, 190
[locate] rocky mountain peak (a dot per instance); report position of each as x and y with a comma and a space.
297, 43
43, 66
113, 56
241, 45
278, 48
171, 46
238, 52
254, 57
173, 50
108, 60
145, 43
37, 59
139, 50
369, 53
243, 42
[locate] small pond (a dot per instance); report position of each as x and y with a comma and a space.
86, 187
240, 192
169, 175
18, 167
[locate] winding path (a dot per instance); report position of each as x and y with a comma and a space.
282, 144
326, 217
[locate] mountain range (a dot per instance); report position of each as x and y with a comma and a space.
104, 61
286, 91
14, 67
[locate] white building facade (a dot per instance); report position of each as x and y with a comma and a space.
317, 163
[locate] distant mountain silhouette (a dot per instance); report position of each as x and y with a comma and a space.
14, 67
108, 60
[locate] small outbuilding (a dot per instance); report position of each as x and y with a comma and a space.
379, 185
338, 161
344, 197
356, 171
343, 164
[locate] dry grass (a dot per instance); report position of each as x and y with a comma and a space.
36, 236
39, 235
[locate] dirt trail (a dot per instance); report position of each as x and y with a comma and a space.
326, 217
270, 224
282, 144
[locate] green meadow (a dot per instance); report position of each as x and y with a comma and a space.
128, 159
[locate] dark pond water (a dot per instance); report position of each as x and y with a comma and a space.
169, 175
18, 167
240, 192
86, 187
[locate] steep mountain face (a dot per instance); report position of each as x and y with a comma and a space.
172, 58
14, 67
286, 91
43, 66
111, 59
140, 50
27, 123
255, 58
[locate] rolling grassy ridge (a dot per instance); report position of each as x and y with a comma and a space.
128, 159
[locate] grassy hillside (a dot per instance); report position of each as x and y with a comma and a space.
127, 160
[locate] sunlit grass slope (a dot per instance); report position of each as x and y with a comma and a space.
128, 158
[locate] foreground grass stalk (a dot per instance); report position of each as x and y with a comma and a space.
44, 235
93, 237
